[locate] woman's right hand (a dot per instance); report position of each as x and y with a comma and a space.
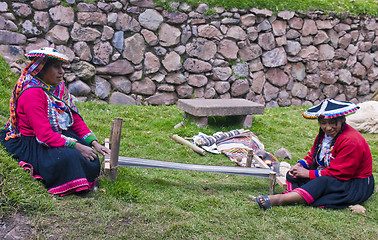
87, 152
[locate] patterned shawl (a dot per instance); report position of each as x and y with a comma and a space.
28, 79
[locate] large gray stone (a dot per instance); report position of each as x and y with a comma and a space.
150, 19
127, 23
250, 52
197, 80
172, 62
210, 32
201, 48
196, 66
61, 15
228, 49
86, 34
83, 51
12, 38
299, 90
241, 69
101, 53
277, 77
11, 53
267, 41
184, 91
151, 63
120, 67
42, 20
79, 88
236, 33
92, 18
239, 87
102, 87
58, 35
274, 58
121, 99
144, 87
134, 48
162, 99
222, 73
84, 70
169, 35
121, 84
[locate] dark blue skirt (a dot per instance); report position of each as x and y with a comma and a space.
330, 192
63, 170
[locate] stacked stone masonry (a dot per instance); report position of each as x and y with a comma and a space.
134, 52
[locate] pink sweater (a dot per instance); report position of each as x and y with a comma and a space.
31, 113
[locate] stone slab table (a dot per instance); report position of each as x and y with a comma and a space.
198, 109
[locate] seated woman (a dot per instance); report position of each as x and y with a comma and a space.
45, 132
338, 170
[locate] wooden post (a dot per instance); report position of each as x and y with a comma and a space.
115, 140
249, 158
272, 178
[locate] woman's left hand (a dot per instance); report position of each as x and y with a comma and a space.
100, 149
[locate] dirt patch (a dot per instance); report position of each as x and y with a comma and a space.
16, 226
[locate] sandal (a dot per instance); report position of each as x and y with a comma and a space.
266, 204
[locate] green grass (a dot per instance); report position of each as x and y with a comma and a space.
173, 204
354, 7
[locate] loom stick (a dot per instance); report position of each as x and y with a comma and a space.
187, 143
107, 157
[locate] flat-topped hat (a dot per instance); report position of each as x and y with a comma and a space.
48, 52
330, 108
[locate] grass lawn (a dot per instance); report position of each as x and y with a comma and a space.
354, 7
173, 204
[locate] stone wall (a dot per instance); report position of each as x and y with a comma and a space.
133, 52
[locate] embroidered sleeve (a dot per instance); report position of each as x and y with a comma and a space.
303, 163
69, 142
89, 137
314, 174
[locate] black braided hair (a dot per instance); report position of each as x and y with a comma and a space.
321, 133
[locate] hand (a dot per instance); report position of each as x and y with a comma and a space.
87, 152
100, 149
297, 171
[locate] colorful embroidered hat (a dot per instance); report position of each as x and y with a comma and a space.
48, 52
330, 108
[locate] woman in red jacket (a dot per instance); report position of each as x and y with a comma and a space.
45, 132
337, 172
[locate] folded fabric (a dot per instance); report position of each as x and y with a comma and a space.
235, 145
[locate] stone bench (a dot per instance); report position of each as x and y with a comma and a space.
198, 110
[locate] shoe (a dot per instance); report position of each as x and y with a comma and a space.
266, 204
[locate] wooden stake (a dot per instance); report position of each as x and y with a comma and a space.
272, 178
115, 140
249, 158
189, 144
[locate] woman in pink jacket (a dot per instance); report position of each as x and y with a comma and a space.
45, 131
337, 172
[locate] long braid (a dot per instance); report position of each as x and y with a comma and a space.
320, 135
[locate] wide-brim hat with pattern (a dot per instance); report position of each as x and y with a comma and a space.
330, 108
48, 52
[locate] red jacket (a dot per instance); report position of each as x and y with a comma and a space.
351, 157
